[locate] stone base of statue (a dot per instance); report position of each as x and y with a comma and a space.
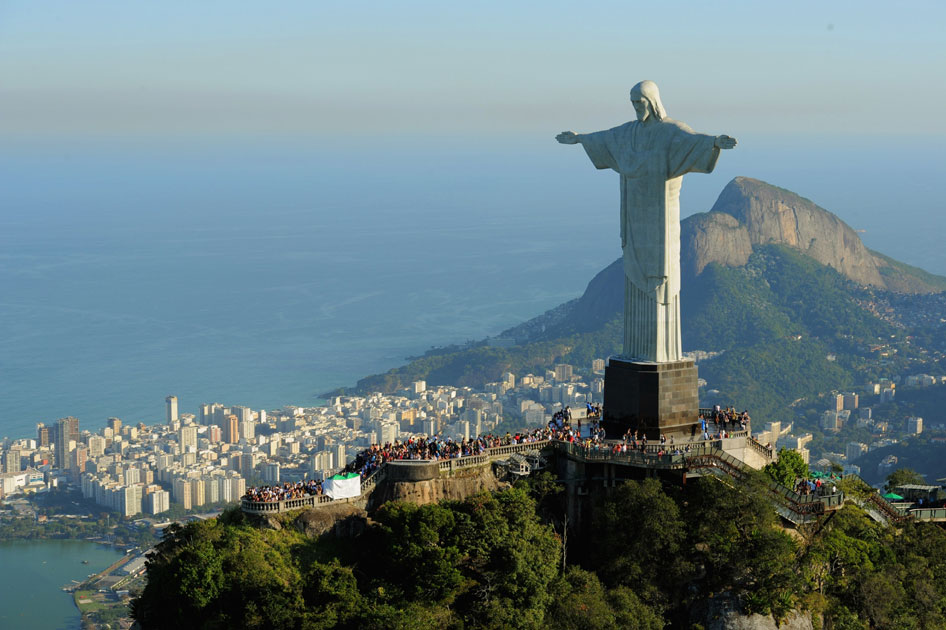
650, 398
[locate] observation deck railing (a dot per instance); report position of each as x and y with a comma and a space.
706, 455
380, 473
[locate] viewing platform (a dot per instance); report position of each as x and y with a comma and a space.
691, 458
732, 456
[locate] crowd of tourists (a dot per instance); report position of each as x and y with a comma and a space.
560, 428
437, 448
729, 418
818, 486
274, 493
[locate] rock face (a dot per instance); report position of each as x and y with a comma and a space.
430, 491
713, 237
346, 520
722, 613
774, 215
747, 213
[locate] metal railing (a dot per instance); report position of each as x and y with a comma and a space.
928, 514
379, 474
707, 455
873, 498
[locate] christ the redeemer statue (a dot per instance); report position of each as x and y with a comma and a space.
651, 154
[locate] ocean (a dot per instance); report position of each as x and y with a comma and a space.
265, 272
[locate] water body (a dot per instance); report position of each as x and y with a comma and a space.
34, 573
266, 272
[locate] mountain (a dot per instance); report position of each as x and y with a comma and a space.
778, 285
749, 216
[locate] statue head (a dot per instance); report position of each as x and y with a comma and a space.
646, 100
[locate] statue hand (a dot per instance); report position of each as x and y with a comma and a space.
568, 137
724, 142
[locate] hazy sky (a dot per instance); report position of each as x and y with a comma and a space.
145, 145
326, 68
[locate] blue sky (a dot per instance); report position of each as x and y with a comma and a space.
485, 69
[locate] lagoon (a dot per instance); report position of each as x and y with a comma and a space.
34, 573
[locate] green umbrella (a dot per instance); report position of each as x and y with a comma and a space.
893, 496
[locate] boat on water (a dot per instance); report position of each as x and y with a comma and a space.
85, 562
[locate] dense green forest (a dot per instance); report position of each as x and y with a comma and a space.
499, 561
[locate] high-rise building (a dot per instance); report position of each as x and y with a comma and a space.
129, 500
237, 487
248, 463
223, 490
181, 490
11, 460
563, 372
44, 435
211, 490
187, 437
914, 425
157, 501
67, 436
77, 460
214, 434
854, 450
270, 472
243, 414
96, 446
198, 492
231, 430
388, 432
171, 408
115, 424
247, 430
205, 414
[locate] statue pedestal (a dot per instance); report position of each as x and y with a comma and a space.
652, 398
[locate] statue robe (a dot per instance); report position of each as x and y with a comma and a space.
651, 158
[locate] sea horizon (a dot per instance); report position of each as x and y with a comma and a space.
266, 273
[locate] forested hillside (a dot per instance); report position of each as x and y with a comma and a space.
499, 561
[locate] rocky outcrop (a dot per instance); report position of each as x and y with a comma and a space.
713, 237
774, 215
748, 212
345, 520
457, 487
723, 613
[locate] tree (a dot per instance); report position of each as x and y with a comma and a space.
788, 468
903, 477
638, 536
732, 530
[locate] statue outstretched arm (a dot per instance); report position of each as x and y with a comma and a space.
722, 142
568, 137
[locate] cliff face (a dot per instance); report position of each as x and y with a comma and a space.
774, 215
713, 237
427, 491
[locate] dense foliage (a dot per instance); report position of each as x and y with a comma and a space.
649, 557
788, 468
